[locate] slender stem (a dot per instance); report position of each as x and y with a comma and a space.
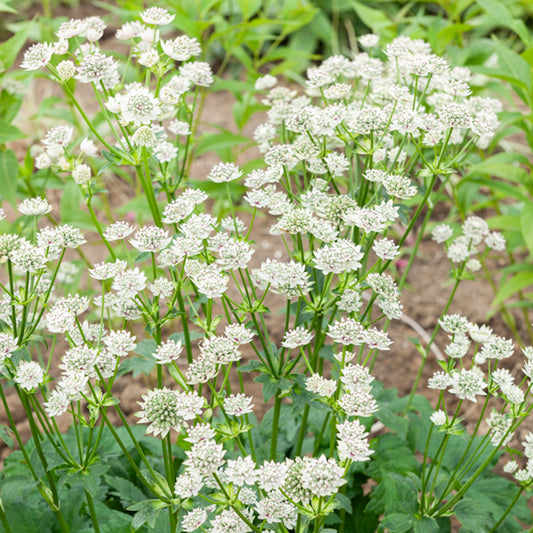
92, 511
275, 427
99, 228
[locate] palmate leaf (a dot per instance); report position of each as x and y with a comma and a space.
474, 516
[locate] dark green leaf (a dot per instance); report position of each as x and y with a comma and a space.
425, 524
473, 516
397, 523
147, 512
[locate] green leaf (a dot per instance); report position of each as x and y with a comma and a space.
498, 11
219, 142
512, 286
425, 524
473, 516
124, 489
10, 49
9, 171
515, 67
375, 19
397, 523
5, 435
70, 207
526, 225
146, 347
9, 133
6, 8
147, 512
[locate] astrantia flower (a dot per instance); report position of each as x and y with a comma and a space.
386, 249
81, 173
150, 239
193, 519
144, 136
205, 457
70, 236
29, 258
35, 207
440, 381
156, 16
338, 257
438, 417
58, 136
37, 56
188, 484
239, 333
289, 279
197, 72
468, 384
454, 324
497, 348
299, 336
240, 471
496, 241
161, 287
58, 402
352, 442
224, 172
346, 331
350, 301
441, 233
369, 40
221, 350
168, 351
181, 48
210, 281
96, 67
265, 82
274, 509
119, 343
102, 271
358, 403
80, 359
136, 105
200, 432
165, 151
161, 410
238, 405
8, 344
272, 475
322, 476
129, 282
475, 228
117, 231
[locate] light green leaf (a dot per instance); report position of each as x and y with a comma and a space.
526, 225
9, 171
6, 8
499, 11
512, 286
9, 133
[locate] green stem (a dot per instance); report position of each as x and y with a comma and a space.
92, 512
99, 228
275, 427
